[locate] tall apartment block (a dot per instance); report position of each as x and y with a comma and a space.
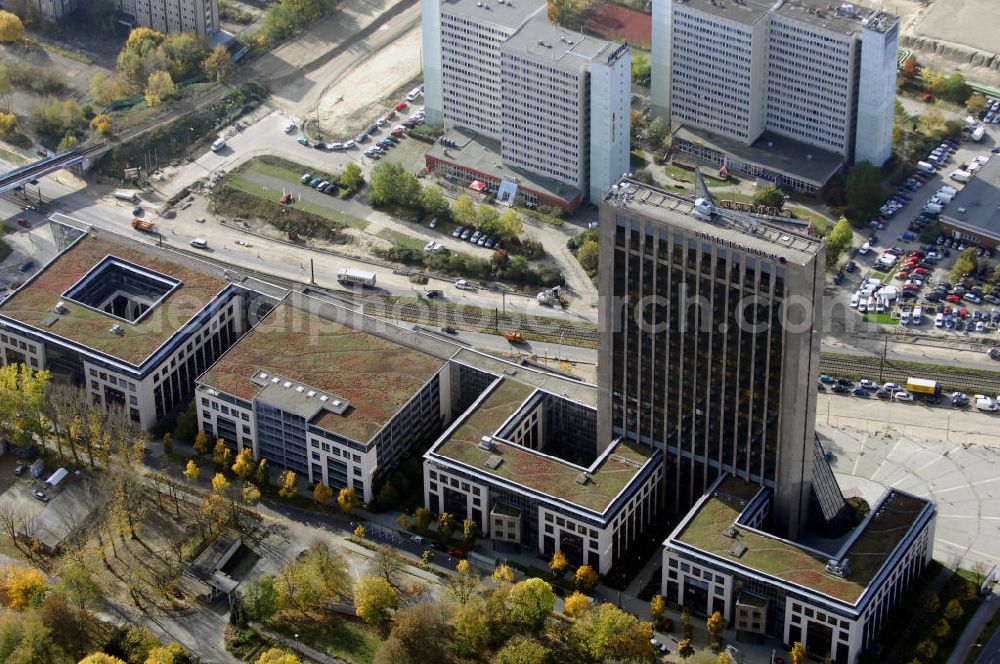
198, 16
784, 90
531, 103
709, 347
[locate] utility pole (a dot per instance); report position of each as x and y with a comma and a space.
312, 272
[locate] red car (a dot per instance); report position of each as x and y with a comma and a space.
400, 106
922, 271
963, 312
456, 553
390, 115
946, 310
902, 274
23, 223
396, 132
954, 299
911, 287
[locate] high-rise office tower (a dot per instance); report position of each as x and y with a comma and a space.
709, 347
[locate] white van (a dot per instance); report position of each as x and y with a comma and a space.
904, 318
218, 144
925, 167
939, 320
199, 243
865, 248
130, 195
414, 93
855, 301
915, 317
960, 176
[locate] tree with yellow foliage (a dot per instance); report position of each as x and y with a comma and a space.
276, 656
502, 575
22, 585
11, 27
101, 123
159, 87
244, 465
191, 471
101, 658
348, 500
321, 493
251, 494
221, 454
798, 653
8, 124
287, 483
586, 578
201, 442
657, 607
575, 604
220, 485
359, 532
558, 564
374, 598
172, 653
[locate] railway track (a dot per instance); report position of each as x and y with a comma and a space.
951, 379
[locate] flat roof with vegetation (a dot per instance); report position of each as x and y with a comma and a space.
895, 514
544, 474
34, 303
375, 375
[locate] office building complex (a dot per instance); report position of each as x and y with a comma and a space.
834, 600
198, 16
523, 462
52, 10
131, 324
974, 216
709, 345
543, 108
766, 88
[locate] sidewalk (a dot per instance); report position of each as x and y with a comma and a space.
297, 646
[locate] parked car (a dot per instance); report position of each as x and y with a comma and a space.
829, 380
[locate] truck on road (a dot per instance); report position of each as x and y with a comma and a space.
130, 195
924, 387
144, 226
514, 337
348, 275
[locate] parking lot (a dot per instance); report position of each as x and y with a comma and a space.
895, 279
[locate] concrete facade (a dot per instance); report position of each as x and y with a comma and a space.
171, 16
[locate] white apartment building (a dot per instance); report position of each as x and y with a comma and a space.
548, 105
132, 325
170, 16
556, 101
819, 74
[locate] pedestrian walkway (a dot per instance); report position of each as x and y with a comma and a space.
297, 646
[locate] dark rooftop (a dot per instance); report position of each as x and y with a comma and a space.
775, 153
977, 205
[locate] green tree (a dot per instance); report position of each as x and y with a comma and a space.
24, 639
953, 610
276, 656
261, 598
168, 444
138, 643
770, 196
606, 630
11, 27
68, 142
433, 202
77, 582
587, 255
351, 177
464, 210
687, 627
864, 190
464, 583
391, 184
658, 131
312, 581
217, 65
422, 519
522, 650
838, 241
530, 603
640, 67
374, 599
159, 87
471, 631
956, 89
966, 263
511, 225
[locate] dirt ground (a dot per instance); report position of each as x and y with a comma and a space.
348, 104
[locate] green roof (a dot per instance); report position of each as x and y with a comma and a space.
376, 375
531, 469
88, 327
786, 561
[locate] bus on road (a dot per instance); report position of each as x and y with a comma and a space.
347, 276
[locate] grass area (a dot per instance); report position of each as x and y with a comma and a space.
12, 157
637, 159
339, 636
5, 250
306, 206
881, 319
881, 276
682, 174
408, 241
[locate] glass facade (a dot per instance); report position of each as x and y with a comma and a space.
281, 438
